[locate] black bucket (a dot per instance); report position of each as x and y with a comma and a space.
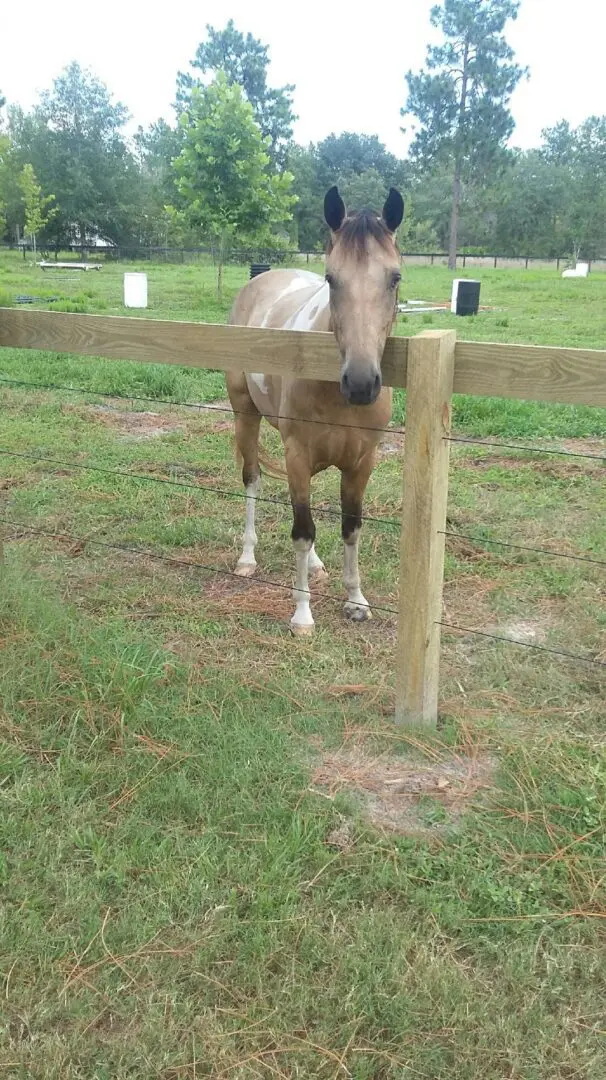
467, 297
258, 268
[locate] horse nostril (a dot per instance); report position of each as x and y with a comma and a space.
345, 380
377, 385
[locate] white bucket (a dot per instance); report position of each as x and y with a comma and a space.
135, 290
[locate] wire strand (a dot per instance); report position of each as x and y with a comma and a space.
211, 407
463, 439
522, 547
331, 511
179, 562
278, 585
524, 644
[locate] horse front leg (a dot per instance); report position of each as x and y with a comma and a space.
353, 485
303, 537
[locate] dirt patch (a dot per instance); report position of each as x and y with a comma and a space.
219, 414
403, 795
551, 464
133, 425
560, 469
519, 630
493, 461
467, 597
391, 444
9, 482
586, 446
245, 596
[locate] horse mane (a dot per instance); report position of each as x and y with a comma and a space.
357, 228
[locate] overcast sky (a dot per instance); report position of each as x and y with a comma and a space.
348, 68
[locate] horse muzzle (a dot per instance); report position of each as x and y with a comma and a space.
360, 389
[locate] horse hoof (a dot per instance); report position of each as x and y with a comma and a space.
301, 631
357, 612
245, 569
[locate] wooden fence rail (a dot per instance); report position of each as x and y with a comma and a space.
433, 366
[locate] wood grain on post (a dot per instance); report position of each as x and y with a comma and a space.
431, 361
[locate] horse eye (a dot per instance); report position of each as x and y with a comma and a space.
395, 281
329, 279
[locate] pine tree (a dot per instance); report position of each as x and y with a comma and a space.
462, 100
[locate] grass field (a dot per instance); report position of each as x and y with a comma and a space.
218, 857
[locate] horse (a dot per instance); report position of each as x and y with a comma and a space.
357, 300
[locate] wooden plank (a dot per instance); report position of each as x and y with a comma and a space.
202, 345
531, 372
69, 266
431, 361
527, 372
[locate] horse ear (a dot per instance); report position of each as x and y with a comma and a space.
393, 211
334, 209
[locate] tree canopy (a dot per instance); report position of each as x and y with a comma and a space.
227, 168
461, 99
223, 174
244, 60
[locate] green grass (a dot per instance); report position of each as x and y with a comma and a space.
174, 904
532, 307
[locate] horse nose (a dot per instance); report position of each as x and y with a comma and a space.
360, 389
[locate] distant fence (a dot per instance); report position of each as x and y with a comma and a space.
276, 257
431, 366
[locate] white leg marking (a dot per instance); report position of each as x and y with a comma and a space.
246, 563
302, 621
314, 562
357, 607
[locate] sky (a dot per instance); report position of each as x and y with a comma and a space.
348, 69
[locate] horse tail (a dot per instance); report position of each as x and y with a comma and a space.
270, 465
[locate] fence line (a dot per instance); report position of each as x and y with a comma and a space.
228, 410
527, 449
524, 547
432, 367
250, 583
269, 500
524, 644
527, 372
166, 253
329, 511
245, 582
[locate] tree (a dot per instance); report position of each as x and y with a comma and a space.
222, 170
38, 209
532, 208
157, 148
359, 164
461, 101
10, 194
350, 153
244, 60
74, 141
580, 153
361, 190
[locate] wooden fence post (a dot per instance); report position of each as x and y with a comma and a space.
429, 383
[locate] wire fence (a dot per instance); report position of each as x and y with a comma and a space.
191, 564
203, 406
56, 463
168, 254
